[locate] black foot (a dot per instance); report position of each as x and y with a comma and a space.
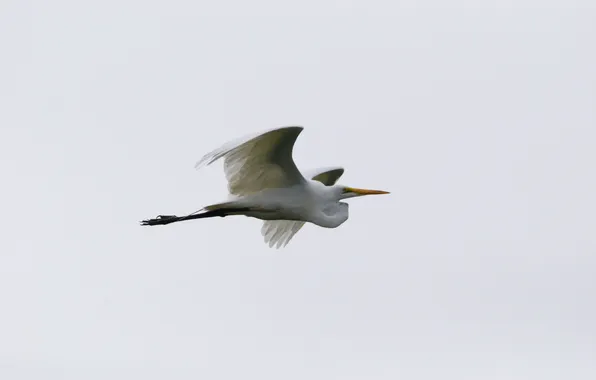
161, 219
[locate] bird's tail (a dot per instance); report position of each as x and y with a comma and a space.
220, 209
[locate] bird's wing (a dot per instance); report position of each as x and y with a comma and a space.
280, 232
259, 161
327, 176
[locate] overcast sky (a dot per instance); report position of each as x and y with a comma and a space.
478, 116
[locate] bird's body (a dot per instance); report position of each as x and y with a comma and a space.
305, 202
264, 183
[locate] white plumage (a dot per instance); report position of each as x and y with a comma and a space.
259, 161
266, 184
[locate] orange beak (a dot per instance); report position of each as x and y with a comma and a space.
365, 191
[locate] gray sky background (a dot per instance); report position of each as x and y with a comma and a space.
478, 116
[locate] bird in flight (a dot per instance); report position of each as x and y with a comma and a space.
264, 183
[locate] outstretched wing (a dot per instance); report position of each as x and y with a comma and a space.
278, 233
258, 162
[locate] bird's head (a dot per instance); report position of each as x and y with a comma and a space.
351, 192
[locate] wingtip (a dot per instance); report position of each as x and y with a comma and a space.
200, 164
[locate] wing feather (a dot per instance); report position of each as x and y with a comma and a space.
327, 176
258, 162
278, 233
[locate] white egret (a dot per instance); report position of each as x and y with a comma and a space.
264, 183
